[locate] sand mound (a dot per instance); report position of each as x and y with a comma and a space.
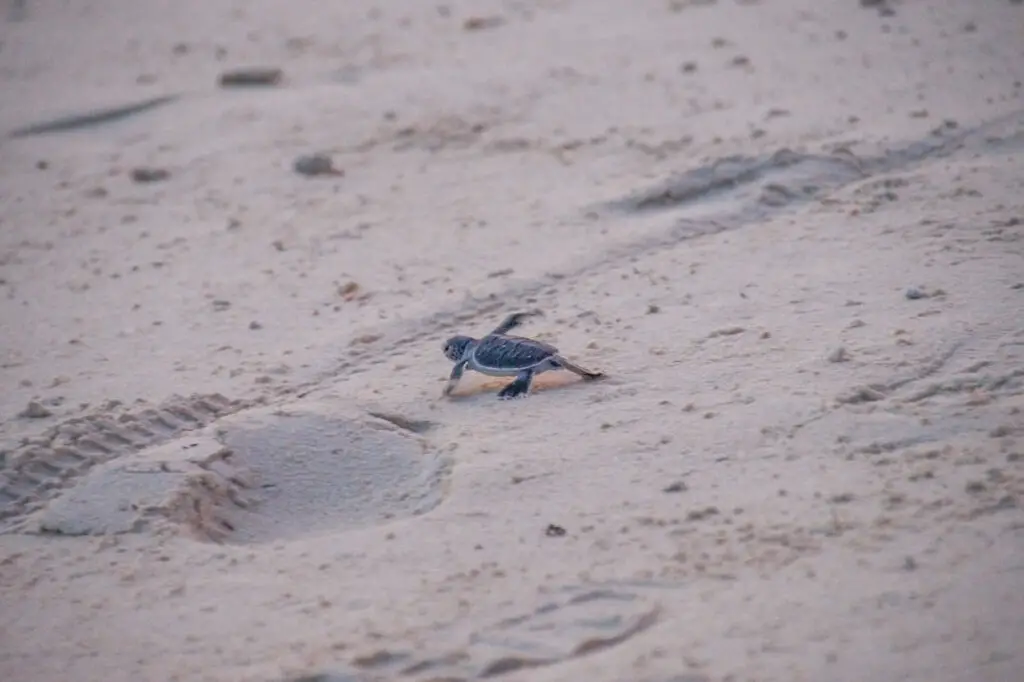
187, 483
40, 468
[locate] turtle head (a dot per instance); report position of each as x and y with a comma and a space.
455, 347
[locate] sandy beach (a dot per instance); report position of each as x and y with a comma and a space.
235, 236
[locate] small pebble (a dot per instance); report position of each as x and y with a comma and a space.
726, 331
251, 77
254, 325
349, 290
144, 175
481, 23
364, 339
913, 293
838, 355
35, 410
315, 164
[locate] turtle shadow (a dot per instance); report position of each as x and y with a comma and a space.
544, 382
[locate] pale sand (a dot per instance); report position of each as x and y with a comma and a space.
798, 468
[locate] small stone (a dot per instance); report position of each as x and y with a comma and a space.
315, 164
481, 23
365, 338
221, 305
144, 175
251, 77
677, 487
554, 531
254, 325
653, 308
860, 394
914, 293
726, 331
349, 290
35, 410
701, 514
838, 355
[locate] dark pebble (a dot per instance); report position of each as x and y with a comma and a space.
315, 164
553, 531
913, 294
252, 77
144, 175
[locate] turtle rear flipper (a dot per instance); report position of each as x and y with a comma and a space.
587, 374
520, 386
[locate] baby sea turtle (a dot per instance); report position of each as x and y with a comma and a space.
500, 355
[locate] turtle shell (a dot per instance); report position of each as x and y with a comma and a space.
511, 352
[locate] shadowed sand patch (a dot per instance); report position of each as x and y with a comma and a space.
471, 385
568, 623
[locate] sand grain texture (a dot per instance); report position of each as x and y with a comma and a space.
791, 232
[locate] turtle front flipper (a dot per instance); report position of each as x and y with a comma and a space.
519, 387
513, 321
453, 379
